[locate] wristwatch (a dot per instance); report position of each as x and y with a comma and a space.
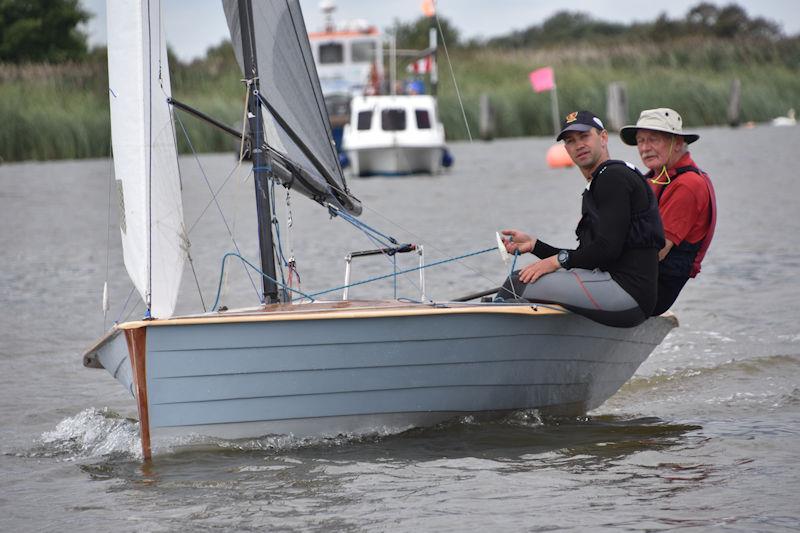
563, 258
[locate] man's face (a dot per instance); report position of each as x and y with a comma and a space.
586, 148
658, 149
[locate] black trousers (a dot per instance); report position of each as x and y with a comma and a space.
668, 289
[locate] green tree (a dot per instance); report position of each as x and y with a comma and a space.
41, 30
414, 35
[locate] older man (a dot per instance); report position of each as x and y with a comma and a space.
685, 196
612, 275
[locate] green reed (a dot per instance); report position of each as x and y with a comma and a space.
693, 77
61, 111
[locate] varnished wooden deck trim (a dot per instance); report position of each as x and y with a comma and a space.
343, 310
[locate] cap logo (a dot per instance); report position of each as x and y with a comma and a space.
572, 117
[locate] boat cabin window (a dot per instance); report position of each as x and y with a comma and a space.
364, 120
331, 53
362, 51
423, 119
393, 119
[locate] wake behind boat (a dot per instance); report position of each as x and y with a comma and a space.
308, 367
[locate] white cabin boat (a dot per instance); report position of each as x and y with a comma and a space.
394, 135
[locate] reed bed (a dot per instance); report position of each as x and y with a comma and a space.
61, 111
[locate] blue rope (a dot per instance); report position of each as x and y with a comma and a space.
394, 271
395, 274
362, 226
251, 265
313, 296
513, 263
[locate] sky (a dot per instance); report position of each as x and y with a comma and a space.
195, 25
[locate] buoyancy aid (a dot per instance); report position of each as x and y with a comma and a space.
684, 259
645, 230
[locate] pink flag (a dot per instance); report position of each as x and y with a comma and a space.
542, 79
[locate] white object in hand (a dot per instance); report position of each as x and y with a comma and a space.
501, 245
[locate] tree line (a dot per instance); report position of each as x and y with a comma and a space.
34, 31
704, 20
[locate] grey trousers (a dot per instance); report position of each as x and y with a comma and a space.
591, 293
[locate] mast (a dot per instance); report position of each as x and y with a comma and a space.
262, 162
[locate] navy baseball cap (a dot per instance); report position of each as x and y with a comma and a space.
580, 121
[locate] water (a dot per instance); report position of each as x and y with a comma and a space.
704, 437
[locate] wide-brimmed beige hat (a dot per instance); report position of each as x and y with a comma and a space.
661, 119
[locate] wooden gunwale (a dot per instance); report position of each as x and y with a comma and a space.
336, 310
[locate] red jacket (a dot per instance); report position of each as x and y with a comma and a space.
687, 205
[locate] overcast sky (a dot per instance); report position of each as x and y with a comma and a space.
195, 25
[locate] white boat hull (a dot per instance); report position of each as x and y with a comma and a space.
354, 371
396, 160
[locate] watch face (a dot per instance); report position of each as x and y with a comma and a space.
563, 255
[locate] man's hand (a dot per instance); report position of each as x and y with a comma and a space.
519, 242
533, 272
665, 250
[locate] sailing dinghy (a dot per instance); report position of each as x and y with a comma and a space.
308, 368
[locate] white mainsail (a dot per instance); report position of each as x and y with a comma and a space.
145, 157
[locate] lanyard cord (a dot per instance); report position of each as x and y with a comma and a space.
657, 180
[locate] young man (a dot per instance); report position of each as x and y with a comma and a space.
685, 196
611, 276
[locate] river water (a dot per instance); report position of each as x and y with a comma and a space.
703, 437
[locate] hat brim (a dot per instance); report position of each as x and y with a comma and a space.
628, 134
574, 127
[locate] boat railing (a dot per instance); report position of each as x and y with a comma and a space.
387, 251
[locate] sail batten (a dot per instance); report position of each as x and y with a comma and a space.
296, 123
145, 156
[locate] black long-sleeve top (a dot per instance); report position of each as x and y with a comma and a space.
618, 192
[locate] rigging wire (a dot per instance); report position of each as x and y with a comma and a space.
184, 234
214, 196
125, 306
452, 74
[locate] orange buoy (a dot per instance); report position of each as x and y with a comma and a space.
557, 157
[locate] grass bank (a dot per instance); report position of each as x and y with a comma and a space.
692, 76
53, 112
